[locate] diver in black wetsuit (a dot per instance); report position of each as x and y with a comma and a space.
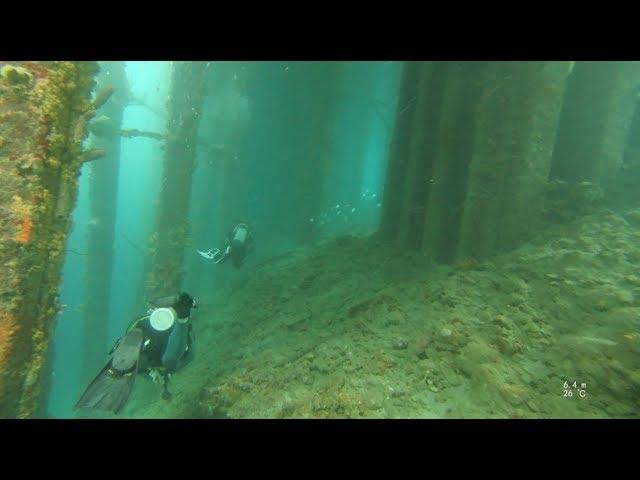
238, 244
156, 344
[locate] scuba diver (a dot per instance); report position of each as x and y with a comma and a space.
238, 244
156, 344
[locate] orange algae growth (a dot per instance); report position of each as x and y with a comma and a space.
26, 230
8, 329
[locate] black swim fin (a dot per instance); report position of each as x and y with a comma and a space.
111, 388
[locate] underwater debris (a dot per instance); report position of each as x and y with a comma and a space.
567, 201
400, 344
446, 332
586, 194
633, 216
556, 185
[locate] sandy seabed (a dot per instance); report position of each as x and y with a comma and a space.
352, 328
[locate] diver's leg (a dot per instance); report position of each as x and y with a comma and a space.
111, 388
166, 394
189, 355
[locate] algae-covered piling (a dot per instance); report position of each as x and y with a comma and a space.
44, 110
172, 232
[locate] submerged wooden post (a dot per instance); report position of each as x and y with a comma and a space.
171, 236
44, 111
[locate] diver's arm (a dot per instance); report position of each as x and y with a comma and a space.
176, 345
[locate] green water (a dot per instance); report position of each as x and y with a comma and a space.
328, 318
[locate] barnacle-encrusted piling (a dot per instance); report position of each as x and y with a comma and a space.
172, 232
44, 109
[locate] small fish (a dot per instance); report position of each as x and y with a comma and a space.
379, 205
353, 209
312, 220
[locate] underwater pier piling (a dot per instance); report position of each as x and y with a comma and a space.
596, 120
471, 155
44, 111
103, 190
228, 180
172, 232
420, 148
398, 185
513, 147
312, 172
452, 153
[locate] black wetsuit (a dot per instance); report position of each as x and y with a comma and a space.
143, 349
238, 244
166, 350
